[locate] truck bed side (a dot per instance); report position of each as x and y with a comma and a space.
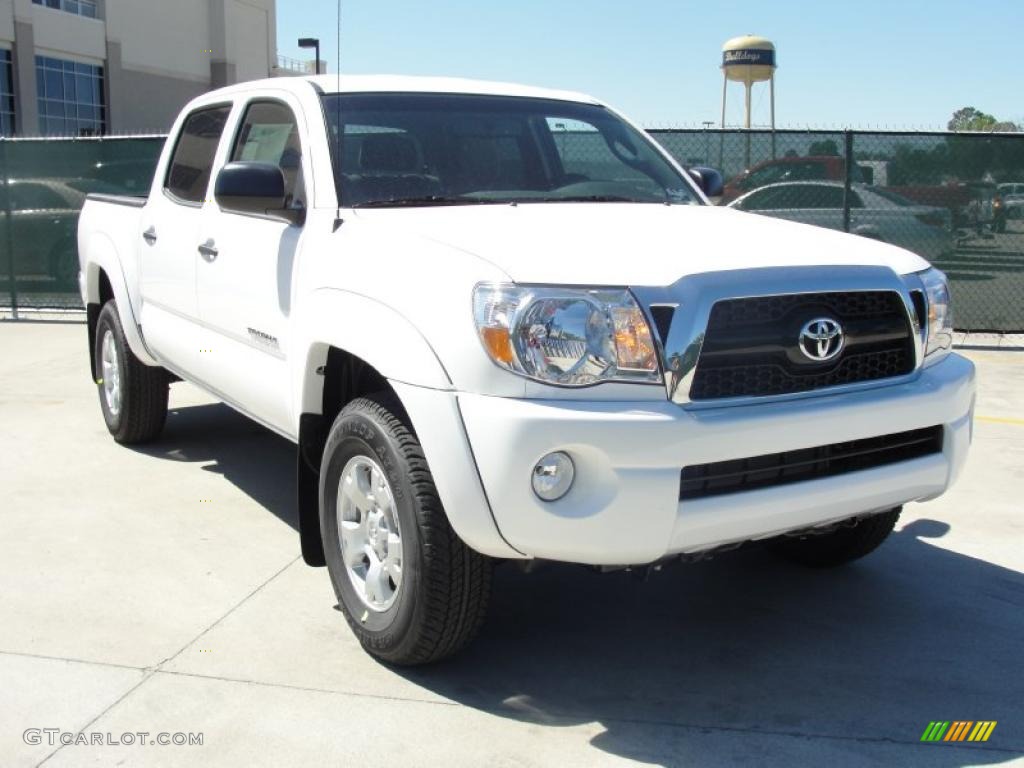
108, 235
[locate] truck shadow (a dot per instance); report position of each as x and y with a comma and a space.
741, 659
744, 658
258, 462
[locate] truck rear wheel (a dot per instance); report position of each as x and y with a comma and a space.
410, 589
133, 395
842, 545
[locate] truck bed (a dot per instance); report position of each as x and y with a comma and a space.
133, 201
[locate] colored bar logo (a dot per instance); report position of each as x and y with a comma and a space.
958, 730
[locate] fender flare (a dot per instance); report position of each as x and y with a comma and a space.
102, 255
332, 317
338, 318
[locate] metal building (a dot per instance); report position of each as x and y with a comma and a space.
90, 67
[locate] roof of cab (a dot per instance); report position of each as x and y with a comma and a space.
404, 84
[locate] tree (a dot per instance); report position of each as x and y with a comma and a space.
971, 119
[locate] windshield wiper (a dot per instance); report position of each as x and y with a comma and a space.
423, 200
583, 199
428, 200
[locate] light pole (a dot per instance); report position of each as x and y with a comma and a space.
707, 140
312, 42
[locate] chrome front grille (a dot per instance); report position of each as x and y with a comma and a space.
731, 336
752, 345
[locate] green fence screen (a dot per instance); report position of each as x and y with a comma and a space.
955, 199
43, 184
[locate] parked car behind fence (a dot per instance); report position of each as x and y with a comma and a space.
875, 213
973, 205
791, 168
1012, 195
43, 223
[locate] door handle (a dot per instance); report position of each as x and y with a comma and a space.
208, 251
150, 235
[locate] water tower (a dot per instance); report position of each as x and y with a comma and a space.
748, 60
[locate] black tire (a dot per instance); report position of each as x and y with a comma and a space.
445, 586
842, 545
143, 389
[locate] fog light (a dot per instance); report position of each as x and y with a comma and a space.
553, 476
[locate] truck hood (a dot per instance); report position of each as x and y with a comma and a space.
631, 244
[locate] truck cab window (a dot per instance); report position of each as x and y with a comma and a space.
189, 173
408, 149
270, 134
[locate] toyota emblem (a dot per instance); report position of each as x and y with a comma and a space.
821, 339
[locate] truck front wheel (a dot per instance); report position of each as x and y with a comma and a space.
410, 589
133, 395
842, 545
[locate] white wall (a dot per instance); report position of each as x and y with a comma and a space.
251, 34
58, 32
164, 38
7, 21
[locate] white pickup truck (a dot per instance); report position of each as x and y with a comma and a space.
502, 324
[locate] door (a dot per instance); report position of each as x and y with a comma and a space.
168, 238
245, 277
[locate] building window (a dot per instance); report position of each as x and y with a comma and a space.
78, 7
70, 97
6, 95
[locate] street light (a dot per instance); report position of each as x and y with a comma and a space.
707, 140
312, 42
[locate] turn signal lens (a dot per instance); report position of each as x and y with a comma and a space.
498, 343
940, 314
633, 341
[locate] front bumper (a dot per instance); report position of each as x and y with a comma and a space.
624, 507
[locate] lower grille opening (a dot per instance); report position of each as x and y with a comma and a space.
756, 472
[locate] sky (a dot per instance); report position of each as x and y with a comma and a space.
858, 63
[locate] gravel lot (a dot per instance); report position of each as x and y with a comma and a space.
160, 590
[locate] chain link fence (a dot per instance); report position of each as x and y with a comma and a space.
43, 184
956, 199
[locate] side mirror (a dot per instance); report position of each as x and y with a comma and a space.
711, 181
255, 188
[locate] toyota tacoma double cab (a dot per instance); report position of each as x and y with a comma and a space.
501, 323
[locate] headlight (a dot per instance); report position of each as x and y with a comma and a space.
940, 313
567, 336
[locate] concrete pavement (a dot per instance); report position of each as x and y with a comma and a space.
160, 590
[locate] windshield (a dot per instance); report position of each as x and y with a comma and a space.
407, 149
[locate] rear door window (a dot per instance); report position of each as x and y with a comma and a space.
822, 196
762, 200
188, 175
799, 196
